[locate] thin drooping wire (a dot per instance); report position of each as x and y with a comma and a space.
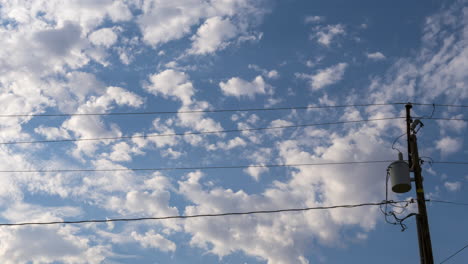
447, 202
201, 168
441, 118
224, 110
395, 141
200, 215
443, 105
432, 114
450, 162
198, 133
221, 167
200, 111
454, 254
393, 213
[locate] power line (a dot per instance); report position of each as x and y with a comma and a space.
200, 168
225, 167
442, 118
203, 215
197, 133
226, 110
201, 111
450, 162
442, 105
453, 255
447, 202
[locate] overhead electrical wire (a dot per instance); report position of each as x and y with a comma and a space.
454, 254
200, 168
225, 167
228, 110
450, 162
198, 132
442, 118
442, 105
447, 202
201, 111
202, 215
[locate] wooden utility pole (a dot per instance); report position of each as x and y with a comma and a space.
424, 236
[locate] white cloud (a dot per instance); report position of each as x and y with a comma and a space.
161, 23
306, 187
144, 203
104, 36
326, 34
92, 126
173, 154
233, 143
272, 74
123, 152
448, 145
52, 132
50, 245
59, 41
376, 56
325, 77
278, 123
437, 72
154, 240
171, 83
255, 172
313, 19
452, 186
239, 87
213, 35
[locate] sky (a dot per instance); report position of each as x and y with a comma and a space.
177, 56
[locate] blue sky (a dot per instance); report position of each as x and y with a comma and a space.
181, 55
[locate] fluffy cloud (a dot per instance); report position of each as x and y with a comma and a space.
161, 23
171, 83
255, 172
154, 240
306, 187
104, 36
313, 19
448, 145
213, 35
325, 77
59, 41
375, 56
58, 245
272, 74
325, 34
239, 87
452, 186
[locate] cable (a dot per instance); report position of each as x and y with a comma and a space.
395, 141
453, 255
441, 118
199, 111
450, 162
224, 110
443, 105
197, 133
447, 202
201, 168
201, 215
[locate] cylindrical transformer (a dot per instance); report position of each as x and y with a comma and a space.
400, 176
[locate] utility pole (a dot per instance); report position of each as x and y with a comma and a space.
424, 236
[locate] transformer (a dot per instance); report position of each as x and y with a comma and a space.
400, 175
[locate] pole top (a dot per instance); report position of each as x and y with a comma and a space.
409, 105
